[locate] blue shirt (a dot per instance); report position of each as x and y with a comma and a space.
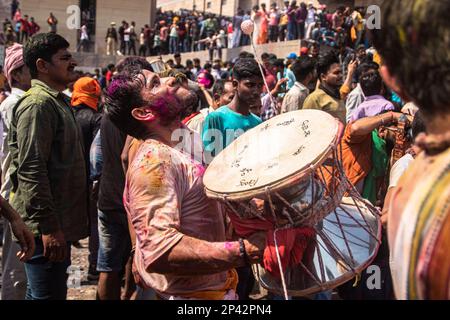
223, 126
291, 78
395, 98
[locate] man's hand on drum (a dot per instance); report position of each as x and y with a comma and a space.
255, 245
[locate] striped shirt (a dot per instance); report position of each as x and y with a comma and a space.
419, 229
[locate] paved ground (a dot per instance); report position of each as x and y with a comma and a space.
85, 290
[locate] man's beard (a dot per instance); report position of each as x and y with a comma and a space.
171, 108
190, 104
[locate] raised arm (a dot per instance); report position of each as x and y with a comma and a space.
367, 125
347, 86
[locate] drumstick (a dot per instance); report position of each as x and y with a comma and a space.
247, 28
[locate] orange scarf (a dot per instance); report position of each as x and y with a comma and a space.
86, 91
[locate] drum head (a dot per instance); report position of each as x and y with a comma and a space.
271, 154
347, 241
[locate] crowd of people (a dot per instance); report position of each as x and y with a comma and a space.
94, 155
19, 27
190, 30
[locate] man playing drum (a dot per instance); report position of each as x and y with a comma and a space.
227, 123
181, 250
366, 145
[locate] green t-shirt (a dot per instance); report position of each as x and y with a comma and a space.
223, 126
379, 165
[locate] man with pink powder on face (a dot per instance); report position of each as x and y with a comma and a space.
181, 248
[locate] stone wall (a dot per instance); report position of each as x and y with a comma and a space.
229, 7
5, 9
278, 48
366, 3
90, 61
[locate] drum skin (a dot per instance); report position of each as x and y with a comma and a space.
274, 154
282, 162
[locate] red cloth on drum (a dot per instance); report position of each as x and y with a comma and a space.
245, 227
292, 242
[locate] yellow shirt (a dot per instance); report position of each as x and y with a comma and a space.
357, 18
377, 58
320, 100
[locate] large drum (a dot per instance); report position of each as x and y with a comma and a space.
292, 162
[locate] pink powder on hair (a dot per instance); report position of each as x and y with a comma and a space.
115, 85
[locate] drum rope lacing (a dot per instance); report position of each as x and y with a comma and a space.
320, 207
283, 281
344, 262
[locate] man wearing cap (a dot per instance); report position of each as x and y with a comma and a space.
14, 280
111, 39
85, 98
288, 72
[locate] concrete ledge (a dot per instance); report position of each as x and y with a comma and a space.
88, 61
281, 49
